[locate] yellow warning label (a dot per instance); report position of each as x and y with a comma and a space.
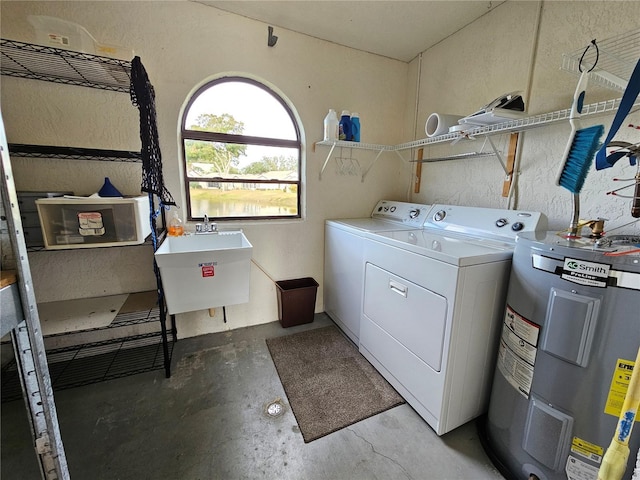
619, 387
587, 450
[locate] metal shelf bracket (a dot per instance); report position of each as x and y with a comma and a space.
352, 145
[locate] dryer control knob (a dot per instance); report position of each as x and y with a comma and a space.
516, 227
501, 222
414, 213
439, 215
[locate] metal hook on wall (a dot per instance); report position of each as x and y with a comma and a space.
271, 39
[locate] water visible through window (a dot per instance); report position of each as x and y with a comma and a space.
241, 152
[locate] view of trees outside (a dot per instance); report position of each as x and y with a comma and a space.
236, 180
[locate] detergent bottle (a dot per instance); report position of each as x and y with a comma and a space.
355, 127
345, 126
331, 125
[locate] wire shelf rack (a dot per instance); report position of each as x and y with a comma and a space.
93, 363
617, 58
72, 153
357, 145
612, 63
92, 355
39, 62
518, 125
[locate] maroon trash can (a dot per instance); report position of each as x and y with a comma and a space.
296, 301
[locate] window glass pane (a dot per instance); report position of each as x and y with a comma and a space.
224, 199
240, 108
244, 179
234, 161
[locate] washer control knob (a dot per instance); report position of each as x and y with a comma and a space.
439, 215
392, 209
414, 213
516, 227
501, 222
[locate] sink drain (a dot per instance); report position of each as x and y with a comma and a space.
275, 408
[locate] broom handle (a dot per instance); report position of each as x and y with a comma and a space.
630, 405
614, 462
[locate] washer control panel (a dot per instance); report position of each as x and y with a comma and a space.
485, 222
412, 214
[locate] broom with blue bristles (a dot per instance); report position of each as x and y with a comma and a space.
578, 155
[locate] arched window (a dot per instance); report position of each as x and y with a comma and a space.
241, 152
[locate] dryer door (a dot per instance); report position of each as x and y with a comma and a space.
414, 316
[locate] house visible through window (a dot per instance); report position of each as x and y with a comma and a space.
241, 152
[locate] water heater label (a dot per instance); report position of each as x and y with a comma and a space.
523, 328
576, 469
588, 450
585, 273
619, 386
517, 351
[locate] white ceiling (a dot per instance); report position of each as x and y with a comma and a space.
395, 29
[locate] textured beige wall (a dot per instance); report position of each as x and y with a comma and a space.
181, 45
497, 54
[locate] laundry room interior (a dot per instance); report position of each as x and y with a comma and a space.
438, 243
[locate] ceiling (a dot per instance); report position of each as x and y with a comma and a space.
395, 29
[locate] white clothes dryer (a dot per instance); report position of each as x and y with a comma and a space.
344, 263
433, 301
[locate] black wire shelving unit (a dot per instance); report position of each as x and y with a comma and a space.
134, 342
107, 357
20, 150
39, 62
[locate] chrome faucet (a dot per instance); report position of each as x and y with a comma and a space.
207, 226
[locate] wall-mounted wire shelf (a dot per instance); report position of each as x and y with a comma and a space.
357, 145
353, 145
39, 62
518, 125
72, 153
614, 60
617, 59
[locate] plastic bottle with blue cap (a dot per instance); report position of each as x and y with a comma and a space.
345, 126
355, 127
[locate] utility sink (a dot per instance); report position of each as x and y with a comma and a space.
205, 271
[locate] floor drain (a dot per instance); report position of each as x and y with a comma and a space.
275, 408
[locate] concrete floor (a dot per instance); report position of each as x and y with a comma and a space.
208, 421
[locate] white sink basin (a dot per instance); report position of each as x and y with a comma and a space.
205, 271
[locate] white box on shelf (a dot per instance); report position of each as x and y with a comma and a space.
90, 222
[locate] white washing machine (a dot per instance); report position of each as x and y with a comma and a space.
433, 303
344, 262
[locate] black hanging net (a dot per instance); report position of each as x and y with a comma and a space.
143, 97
